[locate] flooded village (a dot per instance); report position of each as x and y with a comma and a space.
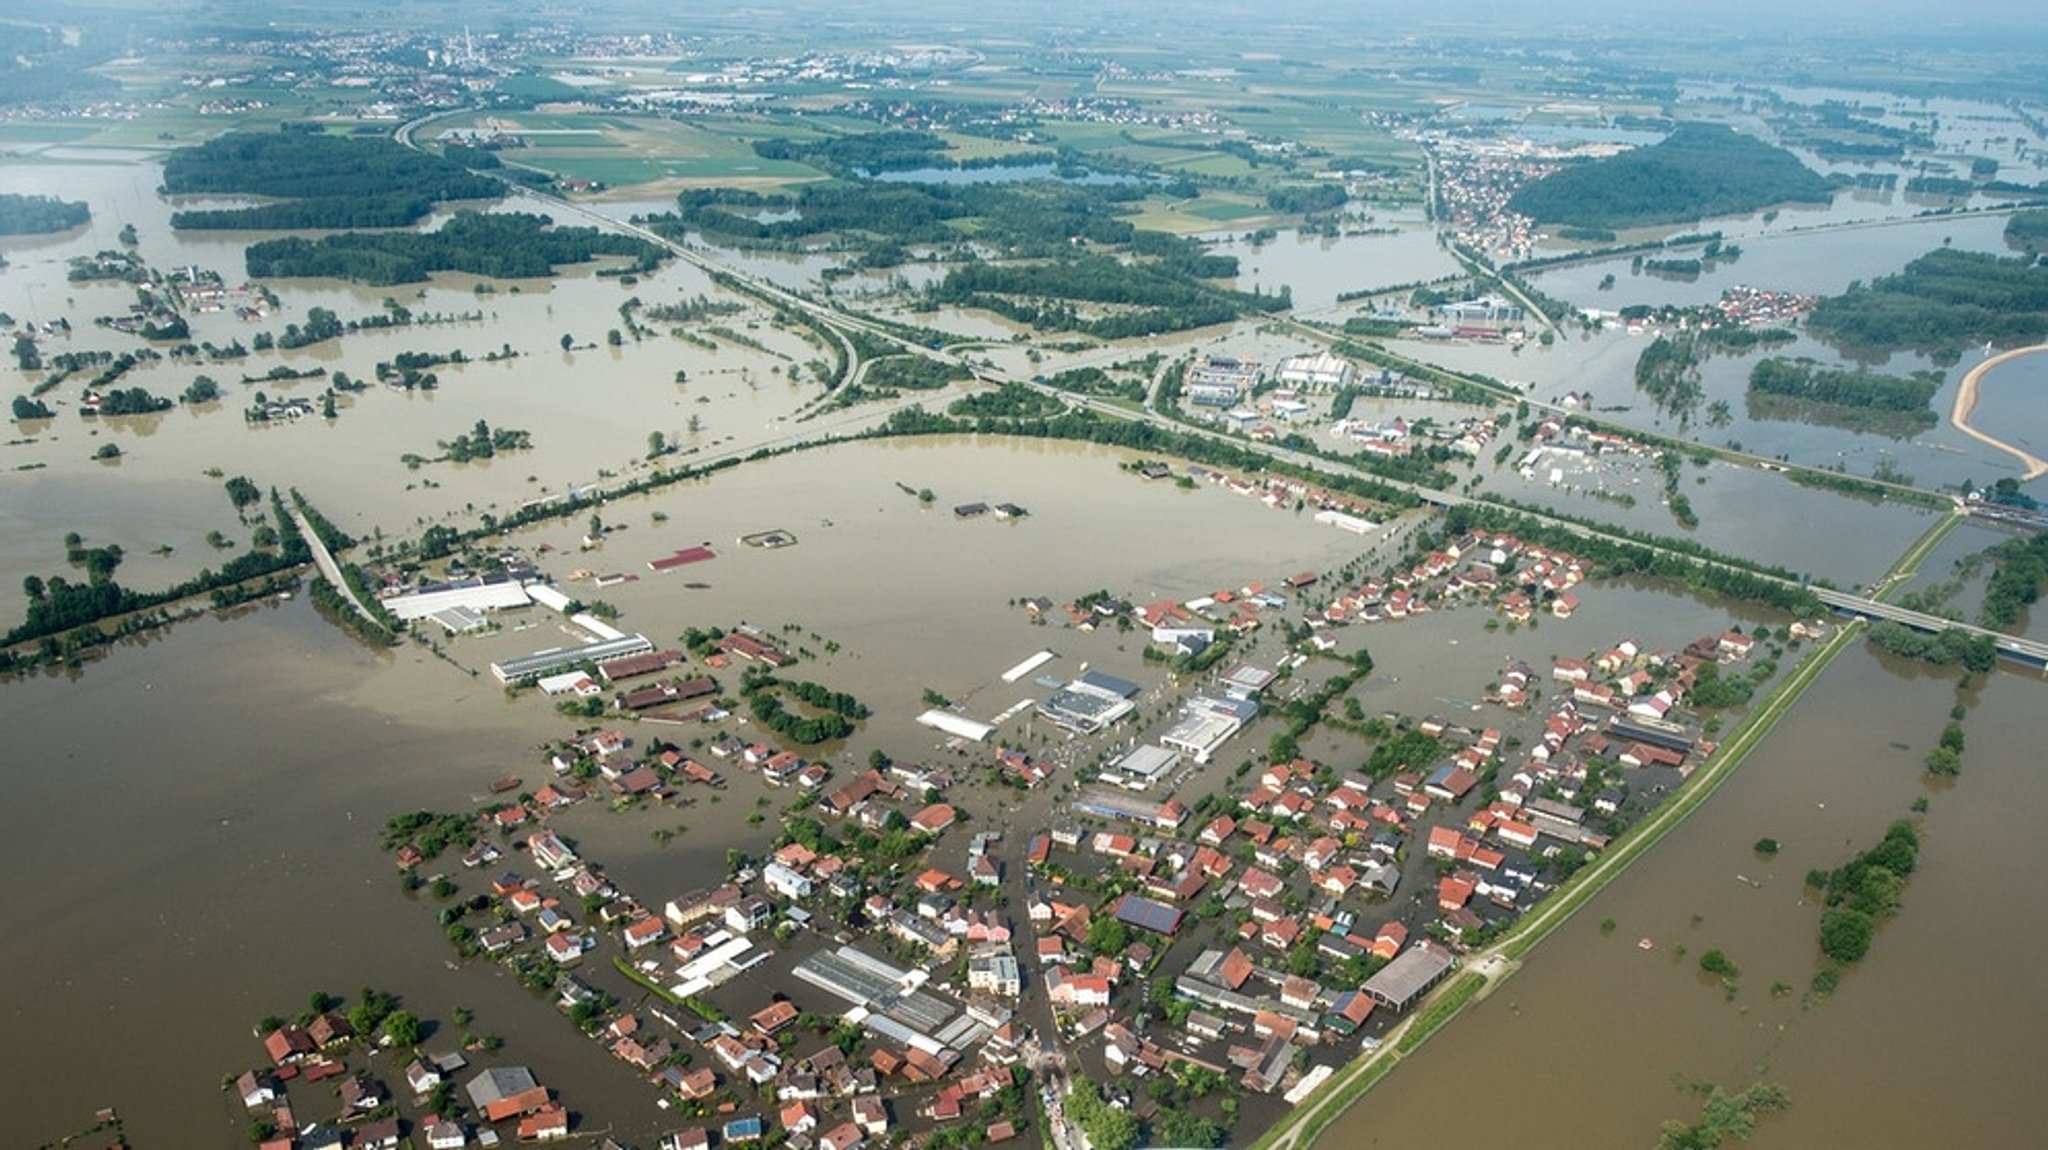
1127, 879
738, 694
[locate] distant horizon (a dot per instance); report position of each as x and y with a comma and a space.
1872, 21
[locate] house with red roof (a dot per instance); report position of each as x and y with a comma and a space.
543, 1125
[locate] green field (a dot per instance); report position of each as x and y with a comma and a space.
621, 151
1203, 214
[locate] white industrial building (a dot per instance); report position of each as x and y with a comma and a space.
1207, 724
1321, 370
486, 593
1144, 766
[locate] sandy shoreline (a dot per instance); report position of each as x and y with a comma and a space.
1966, 402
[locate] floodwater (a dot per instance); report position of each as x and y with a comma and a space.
193, 821
1386, 249
1599, 368
1863, 1067
590, 410
192, 837
1783, 258
168, 824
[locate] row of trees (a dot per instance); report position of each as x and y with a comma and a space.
1952, 646
504, 245
1804, 379
1029, 217
1091, 427
1043, 294
1683, 561
58, 605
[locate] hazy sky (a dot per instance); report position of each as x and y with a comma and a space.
2011, 24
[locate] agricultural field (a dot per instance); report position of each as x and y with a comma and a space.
625, 151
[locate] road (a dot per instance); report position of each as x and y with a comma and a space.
323, 560
839, 322
1496, 963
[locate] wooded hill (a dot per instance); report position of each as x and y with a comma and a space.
1699, 170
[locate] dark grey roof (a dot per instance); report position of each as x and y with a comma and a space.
499, 1083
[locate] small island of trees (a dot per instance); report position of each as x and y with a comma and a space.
39, 215
483, 442
1858, 398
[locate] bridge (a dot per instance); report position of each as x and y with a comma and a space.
2028, 651
323, 561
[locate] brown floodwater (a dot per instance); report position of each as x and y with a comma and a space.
1928, 1039
193, 820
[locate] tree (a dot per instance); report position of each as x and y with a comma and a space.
403, 1029
1109, 936
242, 492
1945, 762
568, 341
1845, 934
612, 338
657, 444
1107, 1127
1179, 1128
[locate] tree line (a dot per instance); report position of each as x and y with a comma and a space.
1804, 379
57, 605
321, 181
1040, 216
502, 245
1944, 299
1169, 301
1682, 561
